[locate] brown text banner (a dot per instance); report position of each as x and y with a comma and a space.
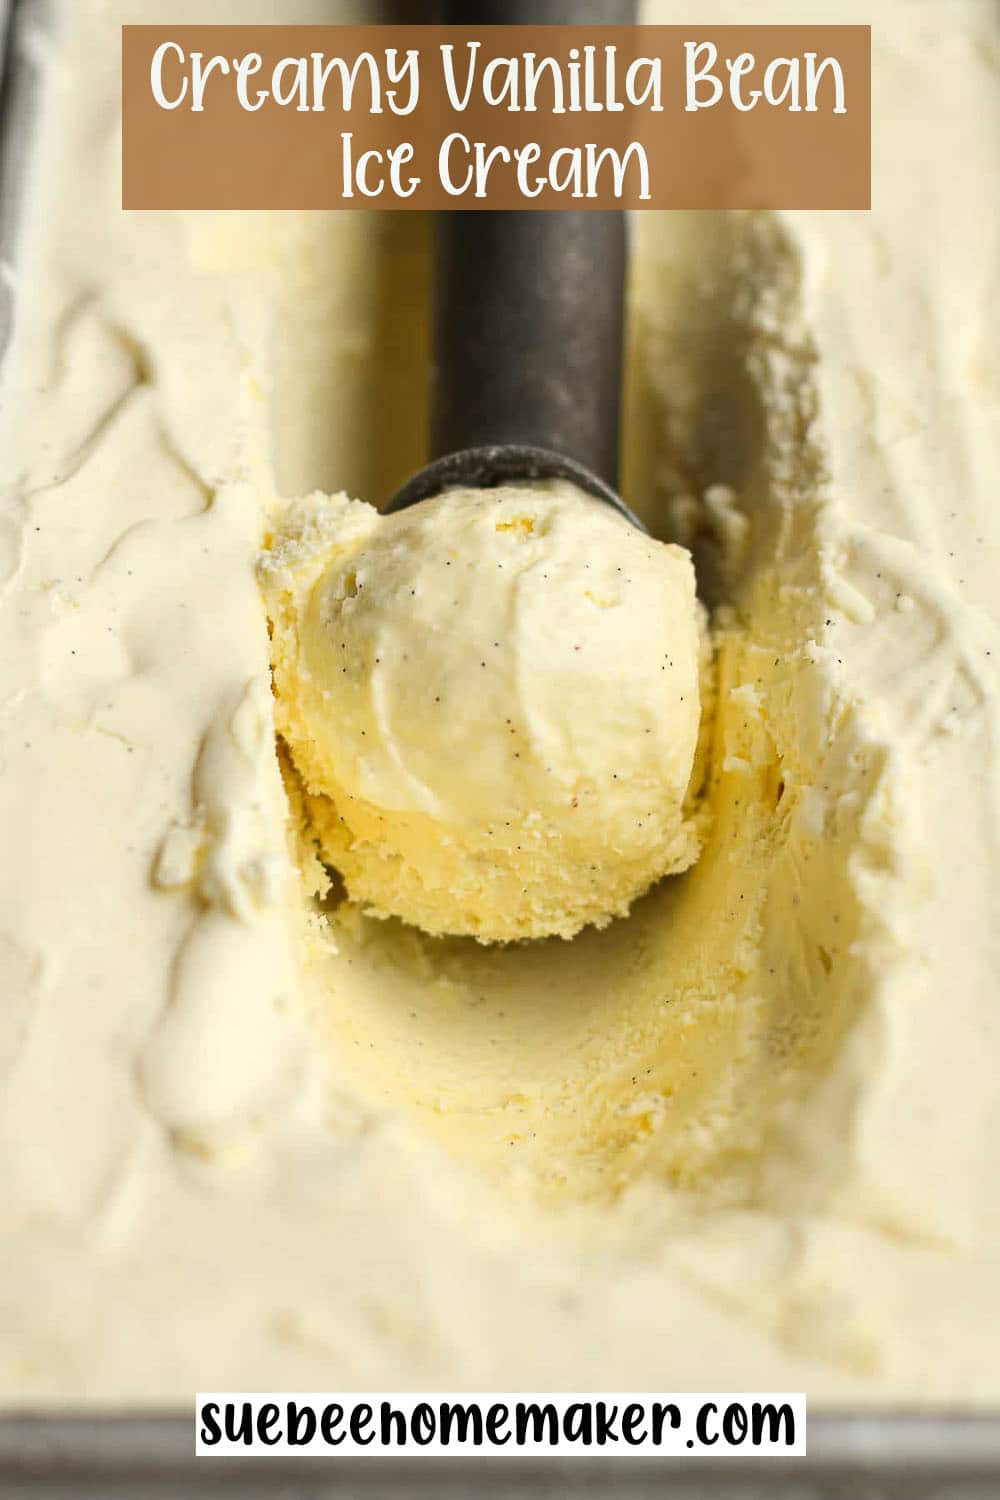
428, 117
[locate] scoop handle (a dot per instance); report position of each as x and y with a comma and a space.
529, 333
529, 305
538, 13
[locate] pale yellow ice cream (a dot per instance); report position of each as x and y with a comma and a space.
743, 1138
493, 701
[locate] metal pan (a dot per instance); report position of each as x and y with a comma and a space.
875, 1456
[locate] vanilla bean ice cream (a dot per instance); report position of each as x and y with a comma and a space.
493, 701
744, 1137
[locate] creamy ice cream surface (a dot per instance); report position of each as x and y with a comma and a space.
493, 701
253, 1137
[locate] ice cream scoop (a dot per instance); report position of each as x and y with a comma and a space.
492, 702
528, 326
491, 690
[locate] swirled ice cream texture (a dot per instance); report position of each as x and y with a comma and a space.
742, 1138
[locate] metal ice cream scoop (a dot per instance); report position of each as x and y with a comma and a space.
529, 318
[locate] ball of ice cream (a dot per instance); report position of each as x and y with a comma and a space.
492, 700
